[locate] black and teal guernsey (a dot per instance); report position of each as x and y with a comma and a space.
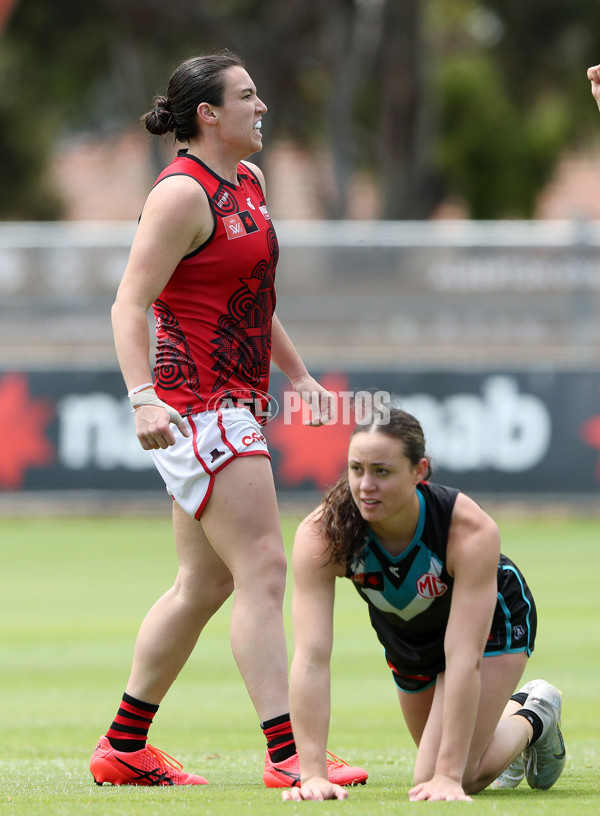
409, 596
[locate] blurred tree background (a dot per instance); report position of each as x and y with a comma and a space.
474, 100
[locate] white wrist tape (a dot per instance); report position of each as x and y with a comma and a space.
139, 388
148, 397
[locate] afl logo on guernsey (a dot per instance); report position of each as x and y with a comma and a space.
239, 225
429, 586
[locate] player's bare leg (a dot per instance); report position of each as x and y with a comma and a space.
493, 746
171, 628
415, 710
167, 636
513, 775
241, 520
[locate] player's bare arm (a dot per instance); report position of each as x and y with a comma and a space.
313, 599
473, 552
176, 219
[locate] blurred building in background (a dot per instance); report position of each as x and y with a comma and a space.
432, 170
487, 331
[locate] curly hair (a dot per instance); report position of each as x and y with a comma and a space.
341, 525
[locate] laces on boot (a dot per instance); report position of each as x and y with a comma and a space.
164, 759
335, 760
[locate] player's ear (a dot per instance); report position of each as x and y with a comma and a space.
206, 114
422, 470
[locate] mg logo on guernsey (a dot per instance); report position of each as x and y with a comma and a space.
429, 586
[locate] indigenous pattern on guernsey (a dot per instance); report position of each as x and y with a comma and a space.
243, 337
214, 316
176, 369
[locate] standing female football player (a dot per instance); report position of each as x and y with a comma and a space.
204, 257
455, 617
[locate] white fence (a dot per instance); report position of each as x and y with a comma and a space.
399, 294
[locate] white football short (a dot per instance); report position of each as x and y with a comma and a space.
217, 437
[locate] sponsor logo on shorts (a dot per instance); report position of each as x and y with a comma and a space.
250, 439
429, 586
216, 454
518, 632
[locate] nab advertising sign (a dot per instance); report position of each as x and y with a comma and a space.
488, 432
504, 432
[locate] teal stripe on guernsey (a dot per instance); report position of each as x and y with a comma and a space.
400, 575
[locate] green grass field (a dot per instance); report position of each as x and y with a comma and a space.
73, 594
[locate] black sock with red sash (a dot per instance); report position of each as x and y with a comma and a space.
280, 739
129, 730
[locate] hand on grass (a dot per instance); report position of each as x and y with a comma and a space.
439, 789
315, 789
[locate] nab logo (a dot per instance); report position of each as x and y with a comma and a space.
429, 586
239, 225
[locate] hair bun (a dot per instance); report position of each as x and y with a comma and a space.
160, 119
161, 103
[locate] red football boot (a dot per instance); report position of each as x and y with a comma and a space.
149, 766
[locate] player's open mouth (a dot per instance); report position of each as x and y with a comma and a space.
258, 125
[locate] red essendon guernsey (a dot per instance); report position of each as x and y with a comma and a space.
213, 318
